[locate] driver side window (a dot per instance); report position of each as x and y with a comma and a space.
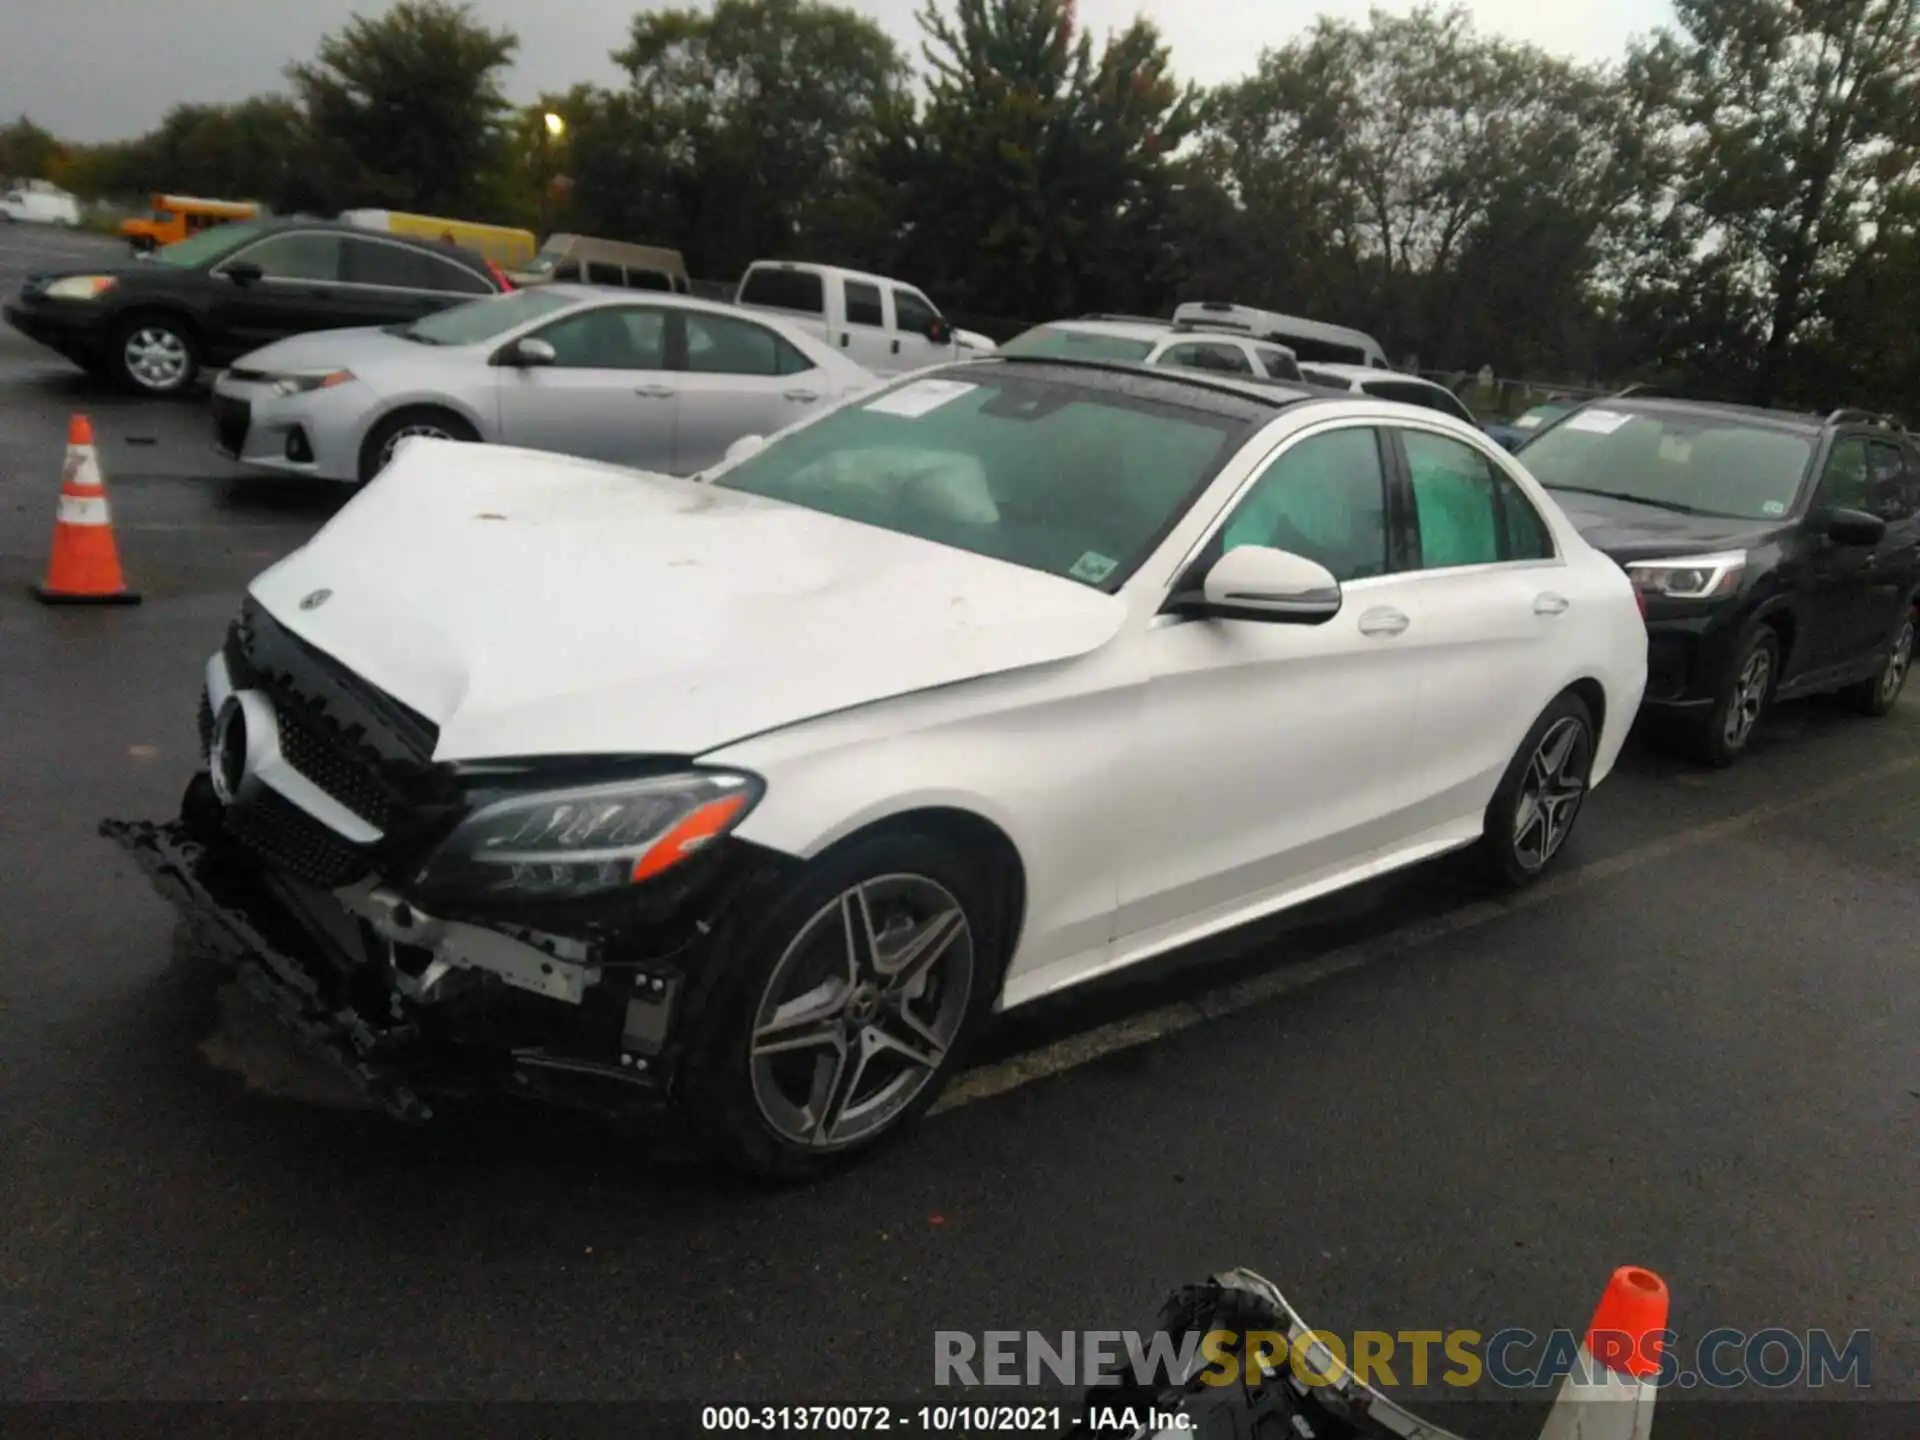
1324, 498
1848, 481
612, 337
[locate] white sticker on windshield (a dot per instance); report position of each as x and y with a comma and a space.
1601, 422
920, 398
1093, 567
1526, 422
1774, 507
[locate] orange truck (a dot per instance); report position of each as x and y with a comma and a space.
175, 217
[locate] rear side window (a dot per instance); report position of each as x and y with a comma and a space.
722, 345
401, 267
1214, 355
1325, 353
863, 305
648, 280
1279, 365
567, 270
800, 290
599, 272
1467, 511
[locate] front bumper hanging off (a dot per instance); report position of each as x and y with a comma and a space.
220, 902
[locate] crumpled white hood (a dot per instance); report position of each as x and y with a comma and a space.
532, 604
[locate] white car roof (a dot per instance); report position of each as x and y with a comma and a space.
1125, 329
1364, 374
829, 271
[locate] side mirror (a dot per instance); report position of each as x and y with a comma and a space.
244, 272
527, 354
743, 447
1853, 527
938, 331
1254, 582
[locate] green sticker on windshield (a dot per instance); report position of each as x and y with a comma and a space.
1093, 567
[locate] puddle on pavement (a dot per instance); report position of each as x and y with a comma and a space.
249, 1042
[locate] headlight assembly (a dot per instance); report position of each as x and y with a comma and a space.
1690, 577
80, 287
301, 384
559, 844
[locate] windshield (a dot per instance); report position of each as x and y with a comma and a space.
481, 320
1072, 480
1702, 464
1045, 342
207, 246
1540, 414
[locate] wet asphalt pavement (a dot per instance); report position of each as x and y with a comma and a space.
1698, 1050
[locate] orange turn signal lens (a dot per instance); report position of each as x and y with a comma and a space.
697, 828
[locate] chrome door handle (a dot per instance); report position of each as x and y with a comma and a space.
803, 395
1550, 604
1383, 621
655, 392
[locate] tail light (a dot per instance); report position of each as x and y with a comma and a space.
499, 276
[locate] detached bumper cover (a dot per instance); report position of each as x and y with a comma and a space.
220, 903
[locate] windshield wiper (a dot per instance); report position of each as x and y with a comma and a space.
1673, 505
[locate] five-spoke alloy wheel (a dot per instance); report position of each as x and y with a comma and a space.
1539, 798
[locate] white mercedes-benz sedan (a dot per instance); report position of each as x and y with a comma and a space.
662, 382
754, 796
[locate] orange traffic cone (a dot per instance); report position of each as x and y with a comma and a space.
85, 566
1610, 1394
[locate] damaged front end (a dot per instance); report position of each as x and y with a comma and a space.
402, 917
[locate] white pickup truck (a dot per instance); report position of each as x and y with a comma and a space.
886, 325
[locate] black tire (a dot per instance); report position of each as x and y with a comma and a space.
1523, 837
725, 1087
1727, 730
418, 419
1878, 696
155, 353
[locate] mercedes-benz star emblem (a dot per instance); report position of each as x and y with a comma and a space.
316, 600
227, 755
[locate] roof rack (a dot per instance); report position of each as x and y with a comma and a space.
1233, 327
1129, 319
1852, 415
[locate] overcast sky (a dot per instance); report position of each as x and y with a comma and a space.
101, 69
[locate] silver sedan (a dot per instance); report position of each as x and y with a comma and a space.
658, 382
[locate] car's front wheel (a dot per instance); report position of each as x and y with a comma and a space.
1539, 798
156, 355
1879, 695
1728, 728
421, 422
839, 1018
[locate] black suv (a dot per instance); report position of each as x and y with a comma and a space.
152, 324
1775, 554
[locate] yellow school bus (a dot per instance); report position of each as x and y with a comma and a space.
499, 243
175, 217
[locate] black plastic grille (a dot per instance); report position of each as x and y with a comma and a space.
354, 784
1667, 668
230, 421
287, 837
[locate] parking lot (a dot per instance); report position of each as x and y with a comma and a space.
1696, 1048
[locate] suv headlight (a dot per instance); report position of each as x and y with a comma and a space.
79, 287
559, 844
301, 384
1690, 577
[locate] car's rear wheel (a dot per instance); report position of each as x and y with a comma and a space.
1727, 731
422, 422
1532, 813
837, 1020
1879, 695
156, 354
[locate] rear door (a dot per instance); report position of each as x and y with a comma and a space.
1894, 491
609, 395
1843, 610
797, 295
388, 282
736, 377
1484, 604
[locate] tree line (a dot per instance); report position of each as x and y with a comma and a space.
1732, 208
